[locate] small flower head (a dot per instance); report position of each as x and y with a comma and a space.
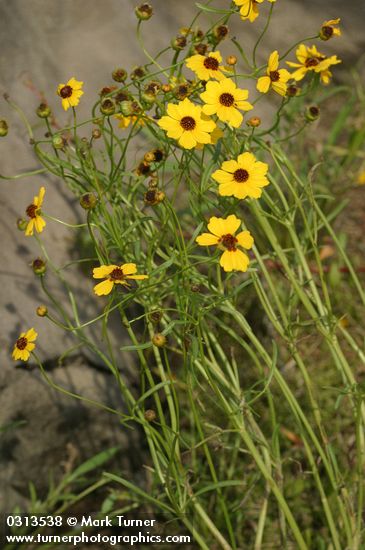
185, 123
275, 78
107, 107
153, 196
220, 32
330, 28
39, 266
222, 233
33, 212
43, 111
119, 75
115, 275
242, 178
179, 42
24, 345
41, 311
231, 60
224, 99
125, 121
254, 122
70, 93
310, 59
4, 128
206, 66
88, 201
159, 340
144, 11
200, 49
312, 113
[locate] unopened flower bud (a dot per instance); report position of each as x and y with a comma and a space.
21, 224
119, 75
4, 128
107, 107
150, 415
231, 60
166, 88
254, 122
96, 133
144, 11
179, 42
153, 196
58, 141
39, 266
312, 113
88, 201
148, 98
43, 110
149, 157
159, 340
41, 311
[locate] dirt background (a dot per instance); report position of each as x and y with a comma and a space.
43, 43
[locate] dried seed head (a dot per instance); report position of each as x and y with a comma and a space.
41, 311
149, 98
39, 266
88, 201
201, 49
107, 90
326, 32
4, 128
292, 90
107, 107
179, 42
155, 316
220, 32
137, 73
96, 133
144, 11
159, 340
43, 110
143, 169
153, 196
119, 75
150, 415
312, 113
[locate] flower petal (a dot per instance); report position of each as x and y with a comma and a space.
207, 239
104, 288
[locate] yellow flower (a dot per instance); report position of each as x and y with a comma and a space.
276, 78
24, 345
33, 211
185, 123
249, 9
310, 59
242, 178
214, 136
70, 93
360, 180
206, 66
114, 275
222, 234
329, 29
225, 100
124, 121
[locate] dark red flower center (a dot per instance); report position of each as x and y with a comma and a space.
229, 241
66, 92
21, 343
274, 76
327, 31
226, 99
211, 63
311, 62
117, 274
241, 175
188, 123
31, 210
